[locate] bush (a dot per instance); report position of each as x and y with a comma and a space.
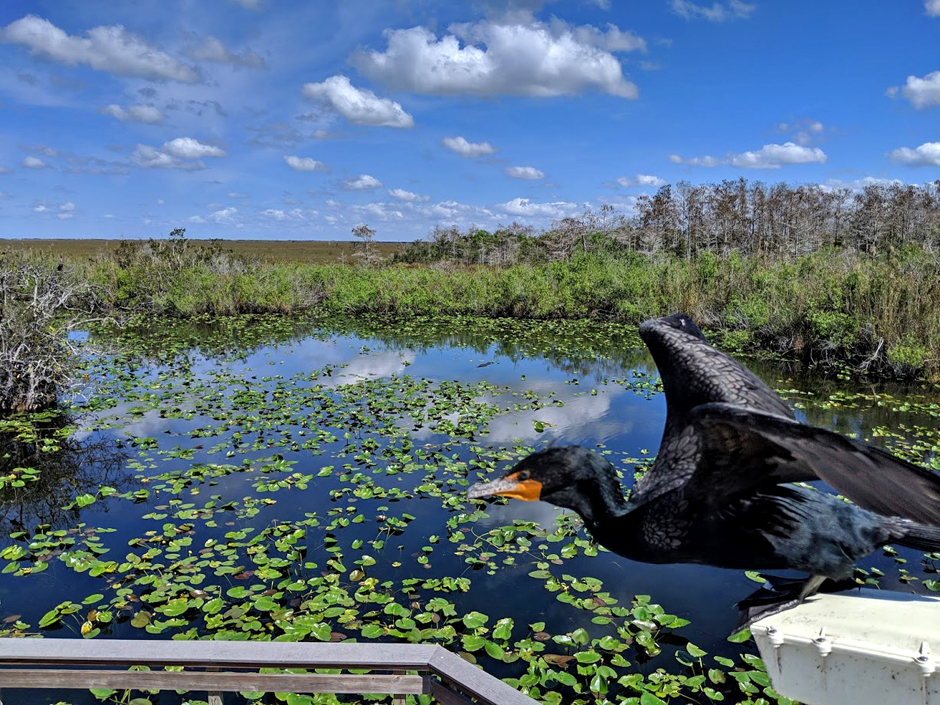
39, 307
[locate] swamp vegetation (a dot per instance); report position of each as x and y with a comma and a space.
254, 477
195, 444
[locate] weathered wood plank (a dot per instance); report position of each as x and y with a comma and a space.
445, 696
221, 654
475, 681
220, 682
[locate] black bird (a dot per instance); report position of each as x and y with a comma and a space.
720, 492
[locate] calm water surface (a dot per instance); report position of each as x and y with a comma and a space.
254, 409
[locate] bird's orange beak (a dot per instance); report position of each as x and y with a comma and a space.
509, 486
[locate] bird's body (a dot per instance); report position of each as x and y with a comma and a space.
720, 491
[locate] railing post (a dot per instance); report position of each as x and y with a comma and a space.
214, 698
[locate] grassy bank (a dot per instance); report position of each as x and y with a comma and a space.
878, 315
308, 251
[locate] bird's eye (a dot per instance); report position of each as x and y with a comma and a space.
524, 475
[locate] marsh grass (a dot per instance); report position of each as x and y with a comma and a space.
879, 315
833, 307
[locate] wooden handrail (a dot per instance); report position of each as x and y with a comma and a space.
78, 663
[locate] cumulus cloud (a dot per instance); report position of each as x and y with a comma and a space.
135, 113
111, 49
279, 215
718, 12
525, 207
180, 153
32, 162
409, 196
468, 149
189, 148
304, 163
362, 183
770, 156
66, 211
212, 49
921, 92
487, 58
932, 7
928, 154
224, 215
613, 40
803, 131
530, 173
358, 105
379, 211
640, 180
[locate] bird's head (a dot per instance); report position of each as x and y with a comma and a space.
571, 477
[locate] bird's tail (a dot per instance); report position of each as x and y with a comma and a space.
920, 536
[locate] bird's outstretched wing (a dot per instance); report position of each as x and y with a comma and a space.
740, 449
695, 373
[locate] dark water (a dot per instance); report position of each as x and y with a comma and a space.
381, 398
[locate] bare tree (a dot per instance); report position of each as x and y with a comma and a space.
39, 307
365, 250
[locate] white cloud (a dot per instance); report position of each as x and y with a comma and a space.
32, 162
468, 149
225, 215
640, 180
530, 173
859, 184
922, 92
525, 207
235, 194
280, 215
189, 148
136, 113
770, 156
718, 12
212, 49
248, 4
613, 40
358, 105
928, 154
932, 7
409, 196
304, 163
174, 154
362, 183
379, 211
40, 208
109, 48
500, 59
66, 211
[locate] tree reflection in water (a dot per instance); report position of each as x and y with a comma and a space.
64, 467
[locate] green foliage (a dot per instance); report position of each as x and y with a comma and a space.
832, 307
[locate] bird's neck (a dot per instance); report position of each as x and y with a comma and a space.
600, 498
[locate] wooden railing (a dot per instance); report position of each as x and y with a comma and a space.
229, 666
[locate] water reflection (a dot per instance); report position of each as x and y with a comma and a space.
263, 409
79, 464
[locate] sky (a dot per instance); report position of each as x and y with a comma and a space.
302, 119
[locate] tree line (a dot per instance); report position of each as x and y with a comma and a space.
729, 216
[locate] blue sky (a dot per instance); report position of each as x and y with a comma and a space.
300, 120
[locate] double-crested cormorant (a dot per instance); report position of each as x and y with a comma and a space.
719, 491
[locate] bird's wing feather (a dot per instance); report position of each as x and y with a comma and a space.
742, 449
695, 373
